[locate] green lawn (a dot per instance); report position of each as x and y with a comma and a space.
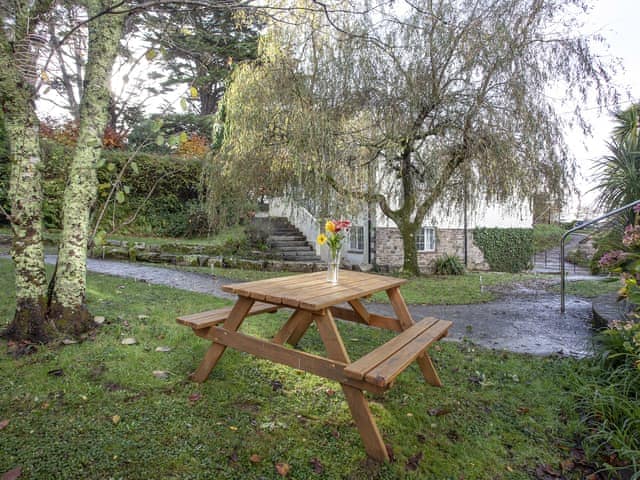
95, 409
546, 237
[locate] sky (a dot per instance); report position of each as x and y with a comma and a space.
616, 20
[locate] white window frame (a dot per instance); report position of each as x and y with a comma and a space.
421, 238
354, 237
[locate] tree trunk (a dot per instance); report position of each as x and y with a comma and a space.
408, 231
67, 303
25, 190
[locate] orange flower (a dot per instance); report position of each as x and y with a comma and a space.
330, 226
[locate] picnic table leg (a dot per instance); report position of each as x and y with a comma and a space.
215, 351
404, 317
300, 330
358, 405
300, 318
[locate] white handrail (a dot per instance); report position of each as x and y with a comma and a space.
300, 218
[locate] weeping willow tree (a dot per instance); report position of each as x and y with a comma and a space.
427, 94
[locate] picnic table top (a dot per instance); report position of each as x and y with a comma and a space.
312, 291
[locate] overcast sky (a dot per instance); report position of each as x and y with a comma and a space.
617, 21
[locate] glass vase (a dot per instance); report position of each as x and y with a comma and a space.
333, 266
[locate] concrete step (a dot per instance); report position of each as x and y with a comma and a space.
298, 252
302, 259
286, 238
292, 243
285, 233
293, 249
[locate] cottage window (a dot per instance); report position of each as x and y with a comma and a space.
356, 238
426, 239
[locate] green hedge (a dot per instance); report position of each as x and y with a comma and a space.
506, 249
172, 210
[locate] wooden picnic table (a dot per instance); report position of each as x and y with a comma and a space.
313, 299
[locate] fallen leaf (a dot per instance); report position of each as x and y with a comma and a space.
413, 462
115, 419
56, 372
143, 317
233, 458
233, 428
593, 476
163, 349
330, 392
129, 341
69, 341
392, 457
317, 466
12, 474
195, 397
567, 465
161, 374
4, 423
282, 469
255, 458
522, 410
546, 472
438, 411
99, 319
421, 438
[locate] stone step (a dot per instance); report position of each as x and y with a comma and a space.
285, 233
287, 238
293, 248
290, 243
314, 259
296, 251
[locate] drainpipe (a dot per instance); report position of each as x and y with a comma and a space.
575, 229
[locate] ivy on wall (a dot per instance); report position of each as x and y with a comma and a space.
506, 249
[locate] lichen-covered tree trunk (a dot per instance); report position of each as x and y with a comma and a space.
25, 183
67, 303
25, 192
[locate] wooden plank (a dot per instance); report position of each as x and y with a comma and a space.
294, 291
300, 330
290, 326
348, 291
404, 317
386, 372
215, 351
360, 367
326, 368
214, 317
360, 309
379, 321
331, 337
367, 427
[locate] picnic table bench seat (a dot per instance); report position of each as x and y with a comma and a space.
210, 318
381, 366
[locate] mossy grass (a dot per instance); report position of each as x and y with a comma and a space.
546, 237
590, 288
95, 409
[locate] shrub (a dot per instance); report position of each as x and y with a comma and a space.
449, 265
505, 249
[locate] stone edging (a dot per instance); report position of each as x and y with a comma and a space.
607, 309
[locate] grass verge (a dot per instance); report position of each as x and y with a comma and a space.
546, 237
95, 409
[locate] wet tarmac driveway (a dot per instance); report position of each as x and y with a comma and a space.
525, 319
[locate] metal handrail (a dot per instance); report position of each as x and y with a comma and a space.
580, 227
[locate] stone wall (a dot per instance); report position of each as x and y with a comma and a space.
389, 250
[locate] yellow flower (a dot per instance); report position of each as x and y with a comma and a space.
322, 239
330, 226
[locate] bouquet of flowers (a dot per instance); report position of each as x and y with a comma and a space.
334, 233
